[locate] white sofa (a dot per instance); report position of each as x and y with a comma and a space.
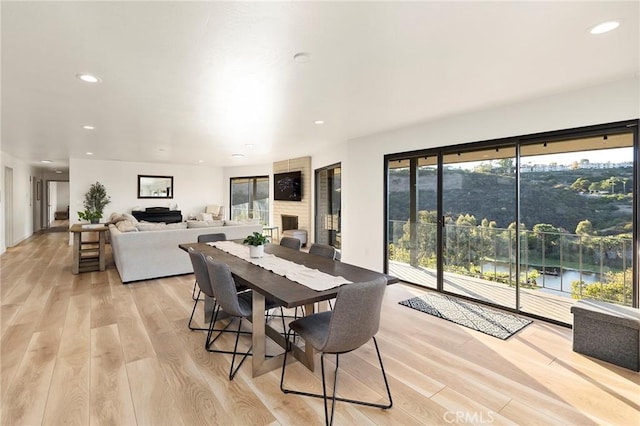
152, 254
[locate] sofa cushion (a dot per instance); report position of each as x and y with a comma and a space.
159, 226
204, 223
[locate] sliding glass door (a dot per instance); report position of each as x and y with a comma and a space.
531, 224
577, 219
479, 209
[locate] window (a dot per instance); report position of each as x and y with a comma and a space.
250, 198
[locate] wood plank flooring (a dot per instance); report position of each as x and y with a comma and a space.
87, 350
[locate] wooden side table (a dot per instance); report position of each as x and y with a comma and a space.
88, 255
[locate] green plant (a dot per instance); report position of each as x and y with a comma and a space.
94, 202
88, 215
256, 239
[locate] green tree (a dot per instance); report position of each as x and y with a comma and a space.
581, 185
616, 287
584, 228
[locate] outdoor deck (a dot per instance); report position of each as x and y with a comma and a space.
535, 302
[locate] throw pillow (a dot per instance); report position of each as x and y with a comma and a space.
126, 226
205, 216
130, 217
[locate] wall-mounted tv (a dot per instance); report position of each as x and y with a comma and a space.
287, 186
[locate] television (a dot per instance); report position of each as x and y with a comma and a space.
287, 186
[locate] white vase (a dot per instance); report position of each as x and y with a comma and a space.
256, 251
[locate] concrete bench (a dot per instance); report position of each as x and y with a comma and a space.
608, 332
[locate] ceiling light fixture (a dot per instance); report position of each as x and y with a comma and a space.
88, 127
88, 78
604, 27
237, 155
89, 153
58, 171
302, 57
46, 161
318, 122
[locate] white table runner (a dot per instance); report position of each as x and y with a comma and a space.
312, 278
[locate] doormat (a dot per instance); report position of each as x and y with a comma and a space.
476, 317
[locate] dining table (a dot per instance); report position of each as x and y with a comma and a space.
283, 291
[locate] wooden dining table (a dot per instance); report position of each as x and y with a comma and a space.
287, 293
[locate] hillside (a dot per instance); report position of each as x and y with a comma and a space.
546, 197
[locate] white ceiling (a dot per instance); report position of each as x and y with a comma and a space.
190, 81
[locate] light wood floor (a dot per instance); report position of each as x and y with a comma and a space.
86, 349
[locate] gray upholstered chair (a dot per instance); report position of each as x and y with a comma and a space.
234, 304
291, 242
202, 276
207, 238
323, 250
354, 321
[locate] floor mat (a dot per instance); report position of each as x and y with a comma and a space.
476, 317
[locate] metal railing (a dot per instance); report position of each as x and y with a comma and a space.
568, 264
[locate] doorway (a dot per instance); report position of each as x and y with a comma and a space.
8, 206
328, 206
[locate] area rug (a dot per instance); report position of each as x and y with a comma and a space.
476, 317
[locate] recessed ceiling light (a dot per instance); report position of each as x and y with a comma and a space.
46, 161
58, 171
88, 127
604, 27
318, 122
237, 155
302, 57
200, 161
88, 78
89, 153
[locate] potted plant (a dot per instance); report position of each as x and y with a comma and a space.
94, 202
256, 242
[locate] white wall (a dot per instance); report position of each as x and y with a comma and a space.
194, 186
362, 184
22, 206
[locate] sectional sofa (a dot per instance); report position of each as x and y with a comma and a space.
142, 255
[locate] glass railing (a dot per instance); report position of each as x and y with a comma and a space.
241, 212
568, 265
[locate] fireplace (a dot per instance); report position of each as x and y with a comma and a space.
289, 222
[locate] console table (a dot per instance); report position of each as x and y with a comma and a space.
166, 216
88, 255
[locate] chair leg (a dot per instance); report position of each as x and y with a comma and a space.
193, 293
232, 372
335, 398
209, 341
193, 312
329, 420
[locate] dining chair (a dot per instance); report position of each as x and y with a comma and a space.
234, 304
207, 238
323, 250
291, 242
354, 321
203, 281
